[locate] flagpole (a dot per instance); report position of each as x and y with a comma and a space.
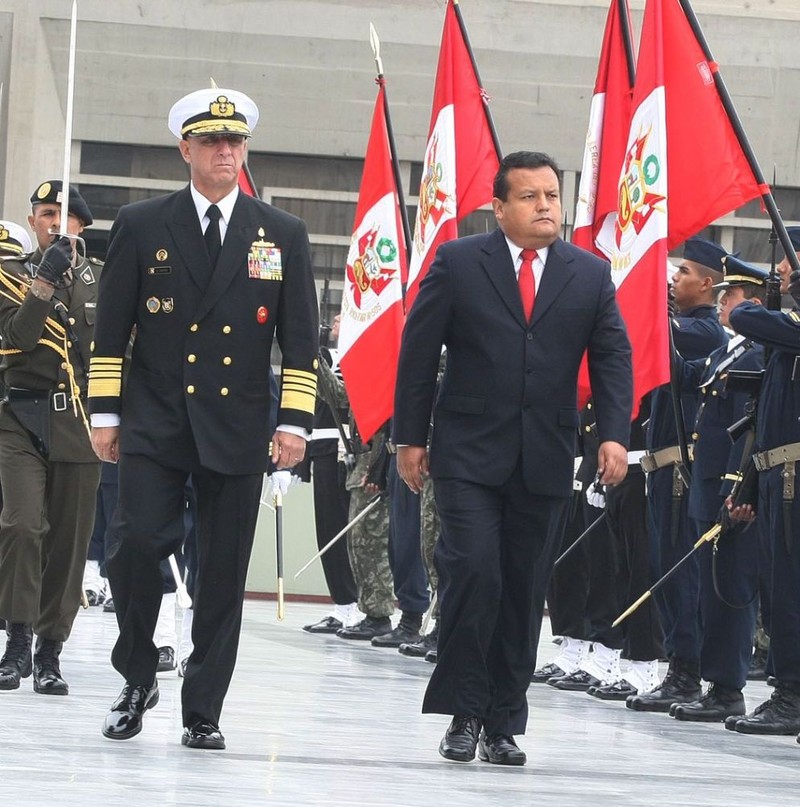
250, 179
627, 40
738, 128
484, 96
398, 180
73, 33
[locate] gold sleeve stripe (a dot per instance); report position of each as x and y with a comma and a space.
795, 316
102, 388
109, 361
300, 386
298, 375
301, 401
105, 377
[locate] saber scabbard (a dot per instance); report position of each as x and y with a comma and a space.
277, 501
710, 535
574, 545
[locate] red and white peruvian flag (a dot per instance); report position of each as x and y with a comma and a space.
460, 159
372, 301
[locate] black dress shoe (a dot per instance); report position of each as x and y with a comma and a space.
125, 718
166, 659
715, 706
368, 628
578, 681
406, 632
461, 739
618, 691
328, 625
432, 656
500, 749
420, 649
203, 734
108, 607
779, 715
544, 674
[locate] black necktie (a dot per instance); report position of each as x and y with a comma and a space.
212, 237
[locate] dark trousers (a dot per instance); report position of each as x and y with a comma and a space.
101, 541
494, 559
149, 523
727, 630
626, 511
405, 547
331, 506
672, 536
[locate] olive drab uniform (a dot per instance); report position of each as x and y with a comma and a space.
48, 469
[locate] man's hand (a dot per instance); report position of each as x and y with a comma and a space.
287, 449
105, 442
56, 260
412, 465
612, 462
742, 513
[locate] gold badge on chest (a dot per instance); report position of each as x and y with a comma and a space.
264, 259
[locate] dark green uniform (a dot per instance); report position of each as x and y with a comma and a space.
48, 470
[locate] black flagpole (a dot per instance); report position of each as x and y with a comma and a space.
736, 123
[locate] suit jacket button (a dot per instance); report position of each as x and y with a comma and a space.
223, 391
227, 360
226, 329
529, 337
193, 328
190, 389
191, 358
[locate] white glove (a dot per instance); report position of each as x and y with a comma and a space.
596, 495
281, 481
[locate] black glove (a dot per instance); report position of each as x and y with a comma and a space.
55, 261
794, 286
672, 306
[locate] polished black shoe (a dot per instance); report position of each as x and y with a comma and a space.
125, 718
406, 632
544, 674
617, 691
779, 715
680, 685
715, 706
328, 625
578, 681
432, 656
500, 749
47, 678
758, 665
108, 607
16, 661
368, 628
166, 659
94, 597
420, 649
461, 739
203, 734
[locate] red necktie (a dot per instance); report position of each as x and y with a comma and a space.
527, 283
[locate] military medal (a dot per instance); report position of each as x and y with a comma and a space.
153, 305
262, 315
264, 259
162, 255
167, 304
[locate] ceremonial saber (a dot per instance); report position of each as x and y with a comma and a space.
73, 33
577, 541
277, 500
370, 505
711, 535
182, 593
426, 620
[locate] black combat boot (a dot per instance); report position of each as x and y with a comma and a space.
47, 678
779, 715
420, 648
719, 703
758, 665
681, 684
368, 628
16, 661
406, 632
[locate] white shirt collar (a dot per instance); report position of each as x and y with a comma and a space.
541, 255
225, 205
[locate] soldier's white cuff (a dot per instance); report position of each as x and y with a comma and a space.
104, 420
298, 430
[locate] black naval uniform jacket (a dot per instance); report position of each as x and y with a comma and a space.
198, 387
32, 334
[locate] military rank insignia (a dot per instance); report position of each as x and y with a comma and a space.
153, 305
264, 259
87, 276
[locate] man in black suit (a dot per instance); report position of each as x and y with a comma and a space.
504, 439
197, 397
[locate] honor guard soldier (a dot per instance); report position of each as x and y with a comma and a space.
48, 471
777, 453
207, 275
729, 574
696, 332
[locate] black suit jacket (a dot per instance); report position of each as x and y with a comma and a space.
510, 389
199, 372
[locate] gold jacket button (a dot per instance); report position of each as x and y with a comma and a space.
191, 358
227, 360
62, 386
695, 435
72, 320
223, 391
63, 365
226, 329
194, 327
713, 392
190, 389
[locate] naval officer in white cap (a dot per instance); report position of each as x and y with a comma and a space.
206, 275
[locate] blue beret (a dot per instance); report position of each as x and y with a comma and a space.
705, 252
739, 273
50, 193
